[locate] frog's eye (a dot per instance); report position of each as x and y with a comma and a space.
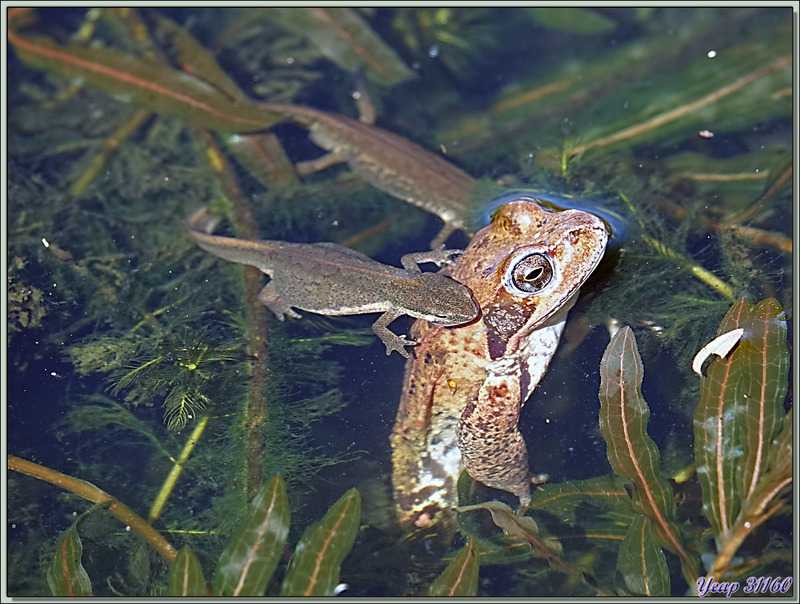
532, 274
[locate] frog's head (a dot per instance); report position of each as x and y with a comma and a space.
552, 255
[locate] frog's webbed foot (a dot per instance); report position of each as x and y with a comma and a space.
269, 297
391, 340
524, 493
412, 261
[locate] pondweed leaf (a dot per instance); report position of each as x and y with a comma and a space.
715, 441
598, 507
194, 58
186, 576
630, 451
264, 157
314, 569
641, 565
460, 578
250, 558
343, 37
765, 360
518, 528
740, 413
524, 529
572, 19
779, 457
66, 575
146, 83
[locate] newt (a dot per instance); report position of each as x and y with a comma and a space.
388, 162
330, 279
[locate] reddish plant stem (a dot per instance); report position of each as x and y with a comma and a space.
257, 330
92, 493
783, 180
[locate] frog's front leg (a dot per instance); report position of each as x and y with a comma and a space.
269, 297
492, 449
390, 339
412, 261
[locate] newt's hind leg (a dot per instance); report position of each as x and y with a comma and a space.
269, 297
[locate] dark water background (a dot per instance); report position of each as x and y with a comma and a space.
560, 419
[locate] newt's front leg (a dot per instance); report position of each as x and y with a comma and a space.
389, 338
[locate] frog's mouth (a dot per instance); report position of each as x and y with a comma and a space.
506, 326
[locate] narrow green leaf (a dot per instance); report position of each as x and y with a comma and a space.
573, 20
250, 558
718, 452
598, 506
631, 452
343, 37
518, 528
640, 563
198, 61
764, 357
460, 578
314, 569
779, 455
778, 476
66, 575
146, 83
263, 156
186, 576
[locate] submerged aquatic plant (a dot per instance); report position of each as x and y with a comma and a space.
246, 564
181, 367
252, 554
456, 37
742, 446
630, 120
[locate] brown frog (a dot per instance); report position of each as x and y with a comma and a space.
464, 387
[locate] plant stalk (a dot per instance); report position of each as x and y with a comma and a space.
257, 331
92, 493
172, 478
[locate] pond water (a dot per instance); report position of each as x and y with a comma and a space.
131, 352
